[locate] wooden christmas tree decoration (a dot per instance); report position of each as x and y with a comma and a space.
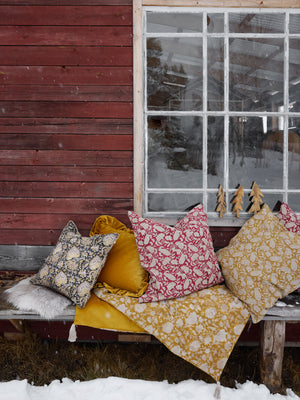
255, 197
237, 201
221, 207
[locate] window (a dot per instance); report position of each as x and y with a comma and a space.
220, 106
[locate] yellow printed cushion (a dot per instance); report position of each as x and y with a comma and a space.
122, 273
261, 263
99, 314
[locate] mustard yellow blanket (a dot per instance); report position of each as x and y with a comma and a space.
201, 328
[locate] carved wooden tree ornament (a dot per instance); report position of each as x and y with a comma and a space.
255, 197
237, 201
221, 207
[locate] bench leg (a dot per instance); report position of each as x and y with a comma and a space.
272, 348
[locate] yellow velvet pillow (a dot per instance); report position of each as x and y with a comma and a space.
99, 314
122, 272
261, 263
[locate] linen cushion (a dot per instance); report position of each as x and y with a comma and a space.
73, 266
289, 219
122, 272
180, 259
261, 263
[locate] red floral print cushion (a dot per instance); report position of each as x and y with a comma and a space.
180, 259
289, 219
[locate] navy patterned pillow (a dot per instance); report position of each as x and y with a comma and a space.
72, 268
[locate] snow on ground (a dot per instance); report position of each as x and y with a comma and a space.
114, 388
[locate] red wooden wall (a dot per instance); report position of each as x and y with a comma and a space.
66, 134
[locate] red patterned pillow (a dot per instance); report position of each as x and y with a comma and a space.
289, 219
180, 259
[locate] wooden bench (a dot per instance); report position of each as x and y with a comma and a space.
17, 260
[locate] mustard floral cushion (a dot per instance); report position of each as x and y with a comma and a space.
261, 263
73, 266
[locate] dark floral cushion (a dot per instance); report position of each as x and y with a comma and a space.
73, 266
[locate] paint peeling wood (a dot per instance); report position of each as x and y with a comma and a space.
52, 221
67, 2
65, 15
272, 349
62, 173
65, 142
70, 55
67, 189
65, 75
61, 157
65, 206
42, 109
59, 93
66, 35
95, 126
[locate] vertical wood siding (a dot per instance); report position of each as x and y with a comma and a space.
66, 135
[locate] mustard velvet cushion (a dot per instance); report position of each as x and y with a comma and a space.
73, 266
261, 263
101, 315
122, 273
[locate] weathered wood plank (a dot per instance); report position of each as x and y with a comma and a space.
61, 109
63, 157
66, 15
67, 189
16, 221
66, 2
66, 93
66, 35
28, 257
37, 236
42, 141
89, 126
65, 206
66, 55
65, 75
65, 173
272, 348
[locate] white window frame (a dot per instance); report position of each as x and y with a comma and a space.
139, 6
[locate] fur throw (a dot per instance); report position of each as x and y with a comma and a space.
39, 299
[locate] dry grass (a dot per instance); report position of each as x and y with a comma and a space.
41, 362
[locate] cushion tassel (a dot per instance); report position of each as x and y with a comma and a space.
72, 334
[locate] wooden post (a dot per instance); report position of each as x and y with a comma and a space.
272, 347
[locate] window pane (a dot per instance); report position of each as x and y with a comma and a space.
174, 22
294, 71
215, 72
212, 202
294, 202
256, 23
174, 74
174, 152
215, 152
294, 153
255, 152
256, 74
173, 201
215, 23
271, 199
294, 23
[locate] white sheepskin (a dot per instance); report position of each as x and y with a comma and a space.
39, 299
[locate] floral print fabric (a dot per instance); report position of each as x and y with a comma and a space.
201, 328
73, 266
289, 219
180, 259
261, 263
